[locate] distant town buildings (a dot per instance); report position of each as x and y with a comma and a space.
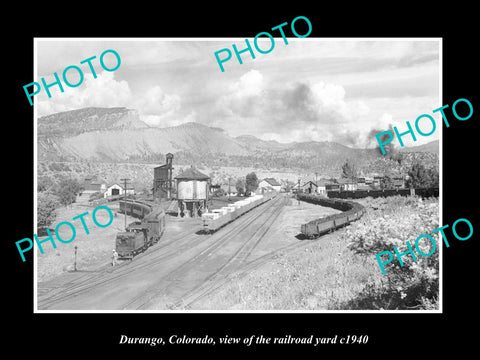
116, 189
367, 182
268, 184
93, 184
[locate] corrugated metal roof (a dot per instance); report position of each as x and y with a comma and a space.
272, 181
192, 174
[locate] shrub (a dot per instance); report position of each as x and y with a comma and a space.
391, 222
219, 193
46, 205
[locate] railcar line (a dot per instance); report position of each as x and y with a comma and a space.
235, 261
240, 224
87, 281
77, 286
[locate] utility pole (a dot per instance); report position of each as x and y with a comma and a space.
298, 192
125, 198
75, 264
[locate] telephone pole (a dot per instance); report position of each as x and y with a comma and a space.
125, 198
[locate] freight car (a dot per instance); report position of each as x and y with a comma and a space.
220, 217
140, 235
351, 212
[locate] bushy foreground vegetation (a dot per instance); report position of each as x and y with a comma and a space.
391, 222
340, 271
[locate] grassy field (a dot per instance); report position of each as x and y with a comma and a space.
316, 277
93, 250
330, 275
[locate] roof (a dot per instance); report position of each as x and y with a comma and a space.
93, 179
110, 185
192, 174
310, 182
272, 181
363, 187
345, 181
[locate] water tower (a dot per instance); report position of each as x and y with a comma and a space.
192, 192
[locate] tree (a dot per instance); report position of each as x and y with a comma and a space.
433, 177
44, 183
387, 182
240, 186
67, 191
420, 177
46, 205
251, 183
219, 193
349, 170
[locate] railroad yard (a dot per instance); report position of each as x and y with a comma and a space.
184, 267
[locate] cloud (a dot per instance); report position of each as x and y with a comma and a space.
155, 107
155, 102
104, 91
310, 90
295, 111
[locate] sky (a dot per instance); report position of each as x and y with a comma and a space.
311, 89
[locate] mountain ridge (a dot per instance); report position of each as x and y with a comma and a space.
118, 134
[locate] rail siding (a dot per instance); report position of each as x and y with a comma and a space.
352, 211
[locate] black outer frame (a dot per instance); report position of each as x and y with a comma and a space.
388, 333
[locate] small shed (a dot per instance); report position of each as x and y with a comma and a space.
309, 187
116, 189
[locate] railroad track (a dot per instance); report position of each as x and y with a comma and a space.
233, 263
202, 292
223, 237
108, 274
161, 252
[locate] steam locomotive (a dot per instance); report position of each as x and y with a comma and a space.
140, 235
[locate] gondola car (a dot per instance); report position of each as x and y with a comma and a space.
212, 222
351, 212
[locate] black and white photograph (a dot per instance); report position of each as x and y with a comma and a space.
218, 181
237, 190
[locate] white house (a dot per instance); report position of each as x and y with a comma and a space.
322, 187
268, 184
347, 184
116, 189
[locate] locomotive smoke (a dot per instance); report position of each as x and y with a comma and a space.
390, 147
